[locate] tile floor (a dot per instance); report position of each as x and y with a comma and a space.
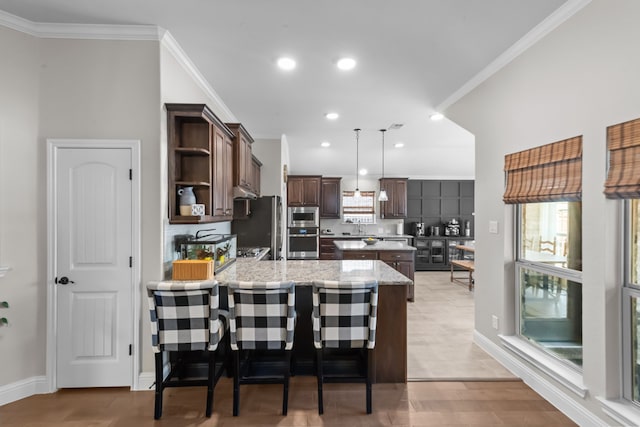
440, 333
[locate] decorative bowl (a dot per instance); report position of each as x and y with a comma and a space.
370, 241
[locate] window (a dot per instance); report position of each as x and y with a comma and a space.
546, 185
550, 286
623, 178
359, 210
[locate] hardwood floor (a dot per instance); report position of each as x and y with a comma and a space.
488, 403
440, 326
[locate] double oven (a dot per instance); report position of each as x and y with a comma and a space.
303, 226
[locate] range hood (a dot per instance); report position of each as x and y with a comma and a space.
243, 193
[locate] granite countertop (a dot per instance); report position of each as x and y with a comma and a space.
359, 245
303, 272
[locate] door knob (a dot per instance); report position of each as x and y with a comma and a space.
63, 280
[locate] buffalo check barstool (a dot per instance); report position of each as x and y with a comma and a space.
261, 318
185, 318
344, 317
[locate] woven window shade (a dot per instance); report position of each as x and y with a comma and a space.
360, 205
549, 173
623, 143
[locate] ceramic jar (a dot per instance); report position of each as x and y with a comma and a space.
187, 198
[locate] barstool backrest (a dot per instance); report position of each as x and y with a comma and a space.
184, 316
344, 314
261, 315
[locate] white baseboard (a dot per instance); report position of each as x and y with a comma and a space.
23, 388
552, 393
145, 381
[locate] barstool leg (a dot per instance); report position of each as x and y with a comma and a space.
368, 371
320, 380
211, 382
287, 374
236, 382
157, 412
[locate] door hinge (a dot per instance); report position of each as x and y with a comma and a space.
130, 349
130, 174
130, 261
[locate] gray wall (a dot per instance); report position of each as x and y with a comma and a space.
578, 80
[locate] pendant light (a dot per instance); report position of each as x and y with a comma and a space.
357, 192
383, 193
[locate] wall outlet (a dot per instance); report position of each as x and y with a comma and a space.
493, 227
494, 322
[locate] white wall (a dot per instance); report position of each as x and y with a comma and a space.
268, 152
22, 231
578, 80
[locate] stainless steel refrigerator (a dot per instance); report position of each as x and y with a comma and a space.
262, 226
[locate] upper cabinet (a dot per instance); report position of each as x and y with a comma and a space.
256, 168
396, 206
303, 190
194, 133
242, 157
223, 175
330, 198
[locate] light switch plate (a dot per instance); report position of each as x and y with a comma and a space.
493, 227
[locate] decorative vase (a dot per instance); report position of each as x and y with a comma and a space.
187, 198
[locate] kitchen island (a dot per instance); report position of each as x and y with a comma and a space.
396, 254
390, 354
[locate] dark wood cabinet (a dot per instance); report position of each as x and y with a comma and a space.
303, 190
403, 262
223, 175
256, 167
330, 198
192, 133
359, 255
396, 206
242, 156
327, 248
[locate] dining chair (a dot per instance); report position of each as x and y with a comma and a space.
344, 318
185, 319
261, 320
547, 245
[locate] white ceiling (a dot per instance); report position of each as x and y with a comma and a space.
413, 55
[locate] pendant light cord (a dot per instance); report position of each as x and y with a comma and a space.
383, 131
357, 130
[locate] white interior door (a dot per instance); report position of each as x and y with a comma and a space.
93, 209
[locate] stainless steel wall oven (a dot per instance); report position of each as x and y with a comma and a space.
303, 243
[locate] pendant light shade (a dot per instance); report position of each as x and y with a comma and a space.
357, 192
382, 197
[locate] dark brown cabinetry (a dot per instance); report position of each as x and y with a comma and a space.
396, 206
327, 248
401, 261
223, 175
330, 198
242, 157
256, 166
193, 132
304, 190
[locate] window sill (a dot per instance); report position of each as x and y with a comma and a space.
3, 271
624, 412
566, 376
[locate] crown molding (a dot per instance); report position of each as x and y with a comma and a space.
562, 14
179, 54
81, 31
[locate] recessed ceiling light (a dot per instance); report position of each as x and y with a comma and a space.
331, 116
325, 144
363, 171
287, 64
399, 144
346, 64
436, 116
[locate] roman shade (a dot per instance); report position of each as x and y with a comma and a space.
623, 143
365, 204
549, 173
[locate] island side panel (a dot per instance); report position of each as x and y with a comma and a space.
390, 353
